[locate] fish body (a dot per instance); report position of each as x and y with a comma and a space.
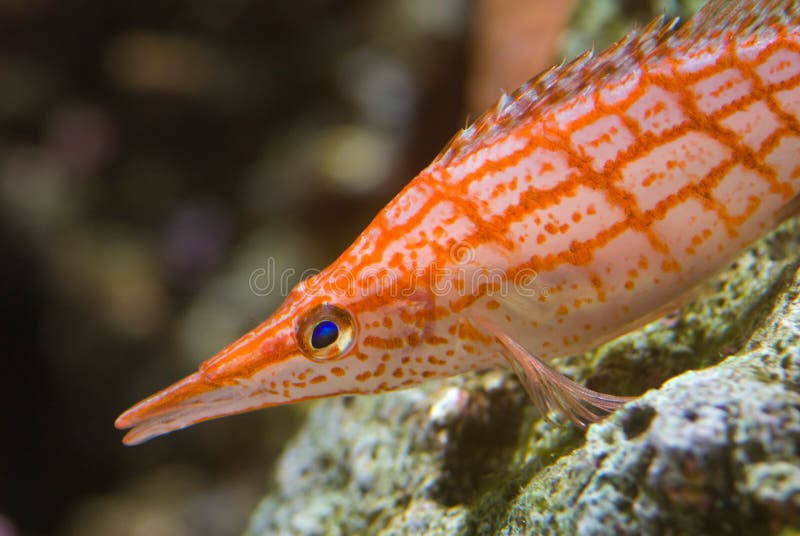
590, 201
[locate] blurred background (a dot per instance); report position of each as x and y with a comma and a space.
154, 156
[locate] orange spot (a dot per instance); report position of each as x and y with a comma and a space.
467, 331
396, 261
551, 228
386, 344
541, 239
318, 379
405, 360
670, 265
428, 374
650, 179
387, 322
579, 254
576, 217
562, 310
336, 371
491, 305
397, 373
434, 340
380, 369
643, 262
629, 285
590, 210
364, 376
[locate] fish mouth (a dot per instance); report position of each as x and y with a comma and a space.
189, 401
232, 381
216, 391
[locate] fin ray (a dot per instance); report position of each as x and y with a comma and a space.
551, 391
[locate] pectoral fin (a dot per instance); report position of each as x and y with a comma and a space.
552, 391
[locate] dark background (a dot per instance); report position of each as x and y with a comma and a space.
152, 156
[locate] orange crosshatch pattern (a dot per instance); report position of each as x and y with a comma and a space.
601, 192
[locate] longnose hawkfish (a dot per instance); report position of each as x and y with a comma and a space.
617, 183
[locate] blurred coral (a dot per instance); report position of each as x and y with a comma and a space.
513, 40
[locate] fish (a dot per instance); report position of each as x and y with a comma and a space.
592, 200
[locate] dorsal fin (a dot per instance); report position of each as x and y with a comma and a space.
717, 20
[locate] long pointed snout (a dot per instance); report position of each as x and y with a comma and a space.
191, 400
249, 374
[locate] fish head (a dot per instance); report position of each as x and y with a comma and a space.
331, 336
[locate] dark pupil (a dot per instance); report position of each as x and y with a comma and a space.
325, 333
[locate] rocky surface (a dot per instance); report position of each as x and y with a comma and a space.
713, 450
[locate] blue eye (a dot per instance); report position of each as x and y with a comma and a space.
325, 333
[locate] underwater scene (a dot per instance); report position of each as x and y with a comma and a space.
429, 289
